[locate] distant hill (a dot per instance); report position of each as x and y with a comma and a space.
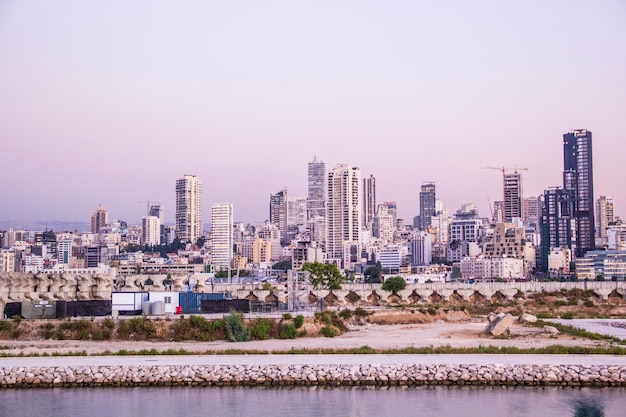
55, 226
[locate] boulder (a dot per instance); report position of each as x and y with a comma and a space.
499, 323
528, 318
550, 330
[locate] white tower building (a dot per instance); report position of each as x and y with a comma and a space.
343, 210
188, 208
221, 235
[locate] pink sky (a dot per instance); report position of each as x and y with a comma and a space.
110, 102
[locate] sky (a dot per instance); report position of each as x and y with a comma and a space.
109, 102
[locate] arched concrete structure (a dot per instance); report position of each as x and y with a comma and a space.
16, 287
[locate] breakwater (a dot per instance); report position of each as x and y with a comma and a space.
309, 375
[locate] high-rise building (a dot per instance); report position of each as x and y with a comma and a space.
604, 215
557, 230
498, 212
383, 226
427, 205
369, 201
392, 210
578, 179
512, 184
421, 249
343, 210
441, 221
279, 213
316, 197
99, 219
188, 208
150, 230
221, 235
296, 211
531, 212
157, 210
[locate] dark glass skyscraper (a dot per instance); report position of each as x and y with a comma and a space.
427, 205
578, 180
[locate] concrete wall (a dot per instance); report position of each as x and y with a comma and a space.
17, 287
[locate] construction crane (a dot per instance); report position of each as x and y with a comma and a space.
148, 202
493, 219
505, 169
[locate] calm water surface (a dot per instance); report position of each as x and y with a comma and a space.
313, 402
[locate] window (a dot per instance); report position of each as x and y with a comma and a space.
168, 300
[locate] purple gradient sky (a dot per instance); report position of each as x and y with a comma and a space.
110, 101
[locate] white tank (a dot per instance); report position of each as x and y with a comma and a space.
145, 308
158, 308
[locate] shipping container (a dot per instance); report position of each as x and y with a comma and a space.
191, 302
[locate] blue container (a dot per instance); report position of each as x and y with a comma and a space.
191, 301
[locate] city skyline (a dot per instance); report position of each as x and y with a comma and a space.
130, 100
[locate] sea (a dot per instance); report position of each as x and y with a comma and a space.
314, 402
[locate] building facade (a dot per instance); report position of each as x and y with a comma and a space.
316, 196
578, 179
150, 230
604, 215
99, 219
513, 196
343, 210
221, 236
428, 201
369, 201
188, 208
279, 213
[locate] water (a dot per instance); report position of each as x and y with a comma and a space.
313, 402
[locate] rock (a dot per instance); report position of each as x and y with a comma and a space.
550, 330
499, 324
528, 318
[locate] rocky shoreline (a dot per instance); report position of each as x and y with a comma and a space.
309, 375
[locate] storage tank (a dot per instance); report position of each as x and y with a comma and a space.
145, 308
158, 308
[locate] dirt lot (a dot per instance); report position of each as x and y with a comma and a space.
384, 330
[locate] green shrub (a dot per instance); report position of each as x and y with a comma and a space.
559, 303
235, 328
261, 329
345, 314
298, 321
287, 316
197, 328
5, 325
138, 328
46, 330
588, 303
288, 331
568, 315
109, 323
572, 301
361, 312
328, 331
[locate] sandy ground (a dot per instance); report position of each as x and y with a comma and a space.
455, 334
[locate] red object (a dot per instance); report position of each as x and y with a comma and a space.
179, 310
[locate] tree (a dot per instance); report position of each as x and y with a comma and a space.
394, 284
322, 275
282, 265
373, 274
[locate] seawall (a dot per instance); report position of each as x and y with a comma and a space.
307, 375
